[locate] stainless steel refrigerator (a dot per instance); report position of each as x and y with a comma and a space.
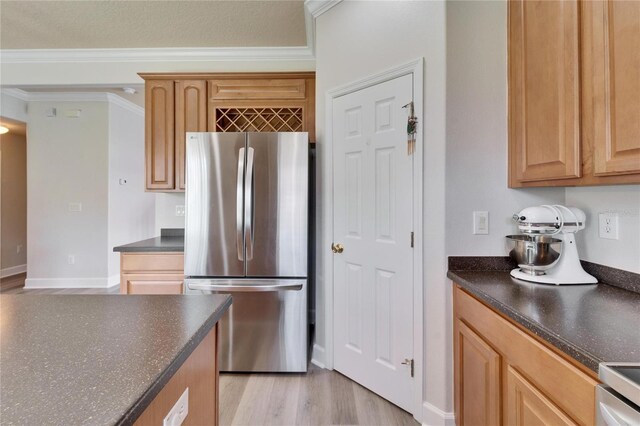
246, 235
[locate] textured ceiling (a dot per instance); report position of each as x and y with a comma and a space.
130, 24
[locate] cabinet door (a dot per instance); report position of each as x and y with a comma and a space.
544, 107
477, 379
191, 116
159, 134
527, 406
153, 283
611, 67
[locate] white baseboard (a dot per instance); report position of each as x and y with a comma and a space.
67, 283
13, 270
318, 356
113, 280
433, 416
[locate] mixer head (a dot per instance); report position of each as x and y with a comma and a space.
550, 219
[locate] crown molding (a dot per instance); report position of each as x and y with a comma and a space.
172, 54
75, 97
16, 93
318, 7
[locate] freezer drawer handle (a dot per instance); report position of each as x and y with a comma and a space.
246, 288
239, 209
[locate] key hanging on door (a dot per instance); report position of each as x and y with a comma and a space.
412, 129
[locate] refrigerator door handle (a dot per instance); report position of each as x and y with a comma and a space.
246, 288
239, 209
248, 206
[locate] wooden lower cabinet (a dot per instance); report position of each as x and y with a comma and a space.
503, 375
151, 273
477, 368
527, 406
199, 374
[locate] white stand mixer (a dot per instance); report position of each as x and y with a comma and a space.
558, 222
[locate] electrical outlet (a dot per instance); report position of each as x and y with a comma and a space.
180, 210
18, 248
179, 411
480, 223
608, 226
71, 259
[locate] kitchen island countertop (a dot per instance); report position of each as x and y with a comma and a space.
95, 359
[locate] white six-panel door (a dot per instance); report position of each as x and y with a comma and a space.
373, 276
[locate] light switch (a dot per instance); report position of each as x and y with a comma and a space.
480, 223
72, 113
75, 207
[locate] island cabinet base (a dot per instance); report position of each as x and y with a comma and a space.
199, 374
503, 375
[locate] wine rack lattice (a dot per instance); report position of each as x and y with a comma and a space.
259, 119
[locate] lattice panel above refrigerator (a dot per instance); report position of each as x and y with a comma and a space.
259, 119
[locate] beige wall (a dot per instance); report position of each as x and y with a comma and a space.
13, 154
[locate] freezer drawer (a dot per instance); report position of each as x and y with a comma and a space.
265, 330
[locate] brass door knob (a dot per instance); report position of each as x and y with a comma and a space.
337, 248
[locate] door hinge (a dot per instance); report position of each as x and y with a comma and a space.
411, 239
409, 362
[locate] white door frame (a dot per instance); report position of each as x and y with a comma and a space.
416, 69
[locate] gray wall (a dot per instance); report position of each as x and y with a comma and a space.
477, 131
131, 215
357, 39
166, 211
624, 200
67, 161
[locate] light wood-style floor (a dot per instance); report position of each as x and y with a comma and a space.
15, 285
320, 397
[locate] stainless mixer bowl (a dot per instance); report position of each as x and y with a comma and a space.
534, 253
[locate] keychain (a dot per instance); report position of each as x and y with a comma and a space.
412, 129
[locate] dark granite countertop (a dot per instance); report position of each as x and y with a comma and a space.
95, 359
591, 323
168, 241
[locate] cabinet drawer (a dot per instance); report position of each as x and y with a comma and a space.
152, 262
153, 284
539, 364
257, 89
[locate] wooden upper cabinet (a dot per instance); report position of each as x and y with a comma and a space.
191, 116
218, 102
544, 89
611, 63
159, 134
574, 92
477, 371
